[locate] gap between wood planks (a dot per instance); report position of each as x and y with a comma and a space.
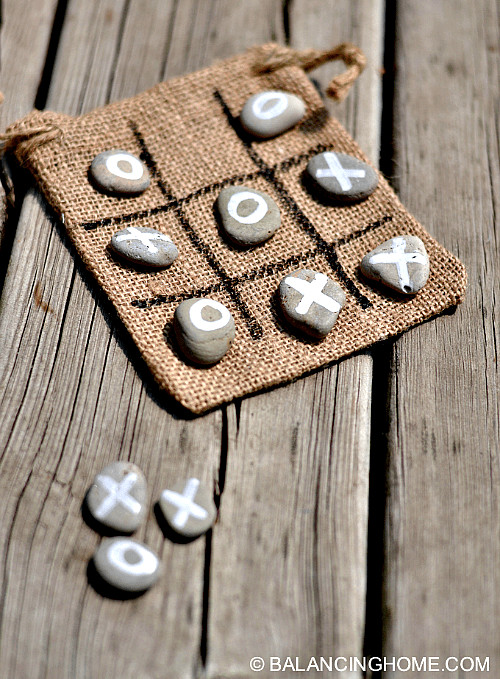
382, 358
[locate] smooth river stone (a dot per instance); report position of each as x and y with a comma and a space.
311, 301
400, 263
188, 508
341, 178
270, 113
204, 329
119, 173
144, 245
118, 497
248, 216
127, 564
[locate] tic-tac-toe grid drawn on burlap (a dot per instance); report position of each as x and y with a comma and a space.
187, 131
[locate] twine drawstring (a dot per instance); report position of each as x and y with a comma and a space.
22, 138
26, 135
310, 59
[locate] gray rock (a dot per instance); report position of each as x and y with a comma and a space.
144, 245
120, 173
118, 497
127, 564
311, 301
340, 177
270, 113
204, 329
401, 263
188, 508
247, 216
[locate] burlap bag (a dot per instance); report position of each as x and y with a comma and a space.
188, 133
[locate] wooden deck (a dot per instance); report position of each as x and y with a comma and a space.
359, 508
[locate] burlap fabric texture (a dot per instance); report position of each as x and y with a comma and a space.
187, 131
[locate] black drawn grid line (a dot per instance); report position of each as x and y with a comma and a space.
227, 282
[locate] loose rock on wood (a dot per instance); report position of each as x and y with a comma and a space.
118, 497
127, 564
188, 508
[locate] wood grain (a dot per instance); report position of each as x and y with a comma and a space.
442, 587
288, 569
23, 49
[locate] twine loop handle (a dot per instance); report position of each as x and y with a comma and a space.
309, 59
26, 135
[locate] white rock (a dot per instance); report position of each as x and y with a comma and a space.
118, 497
188, 508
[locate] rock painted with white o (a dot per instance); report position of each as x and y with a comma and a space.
205, 322
204, 329
269, 105
247, 216
125, 166
256, 215
127, 564
119, 173
270, 113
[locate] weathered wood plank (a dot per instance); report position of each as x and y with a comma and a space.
23, 48
288, 570
72, 402
442, 589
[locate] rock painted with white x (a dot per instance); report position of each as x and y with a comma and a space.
118, 496
188, 508
311, 301
340, 177
144, 245
401, 263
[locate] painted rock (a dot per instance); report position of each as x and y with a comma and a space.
401, 263
120, 173
144, 245
311, 301
118, 497
204, 329
247, 216
127, 564
340, 177
188, 508
270, 113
